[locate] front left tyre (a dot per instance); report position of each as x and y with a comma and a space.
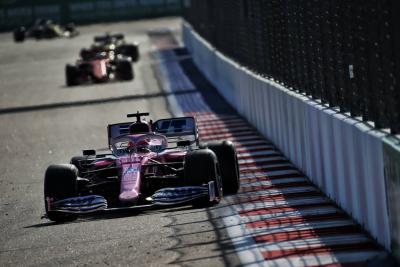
19, 34
71, 75
60, 182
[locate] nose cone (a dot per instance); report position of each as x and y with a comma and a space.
129, 197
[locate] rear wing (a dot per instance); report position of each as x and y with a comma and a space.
173, 128
117, 129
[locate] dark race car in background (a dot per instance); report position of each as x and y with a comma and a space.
44, 29
116, 43
149, 165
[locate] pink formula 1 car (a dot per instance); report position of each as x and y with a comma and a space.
149, 164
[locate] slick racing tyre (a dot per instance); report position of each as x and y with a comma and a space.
60, 182
100, 38
19, 35
129, 50
70, 30
201, 167
124, 70
228, 163
71, 75
118, 36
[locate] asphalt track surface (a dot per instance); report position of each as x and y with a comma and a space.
42, 122
277, 219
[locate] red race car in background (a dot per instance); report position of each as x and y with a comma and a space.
97, 67
149, 164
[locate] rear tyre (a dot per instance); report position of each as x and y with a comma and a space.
19, 35
201, 167
60, 182
228, 163
38, 33
130, 50
124, 70
71, 29
71, 75
119, 36
99, 38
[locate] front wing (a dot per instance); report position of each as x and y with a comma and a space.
164, 197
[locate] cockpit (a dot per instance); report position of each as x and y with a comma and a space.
141, 144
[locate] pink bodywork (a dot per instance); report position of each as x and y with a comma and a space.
99, 67
130, 161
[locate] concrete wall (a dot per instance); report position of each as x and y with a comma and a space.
341, 155
391, 149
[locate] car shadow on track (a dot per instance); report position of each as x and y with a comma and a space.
83, 85
109, 215
200, 239
87, 102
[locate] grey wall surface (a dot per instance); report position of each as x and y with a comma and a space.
341, 155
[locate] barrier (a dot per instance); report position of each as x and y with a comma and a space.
17, 13
391, 148
341, 155
345, 53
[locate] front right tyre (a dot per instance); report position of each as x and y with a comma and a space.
201, 167
124, 70
228, 163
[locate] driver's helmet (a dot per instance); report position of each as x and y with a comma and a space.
130, 145
86, 54
140, 127
143, 146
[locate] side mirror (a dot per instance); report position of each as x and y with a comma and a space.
89, 152
183, 143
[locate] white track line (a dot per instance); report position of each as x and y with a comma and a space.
257, 141
251, 135
274, 182
270, 173
287, 227
323, 259
275, 192
288, 214
288, 170
264, 159
213, 129
256, 153
247, 207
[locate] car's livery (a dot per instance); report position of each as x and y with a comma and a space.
149, 164
98, 67
44, 29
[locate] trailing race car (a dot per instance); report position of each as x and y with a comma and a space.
116, 44
149, 165
44, 29
98, 67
